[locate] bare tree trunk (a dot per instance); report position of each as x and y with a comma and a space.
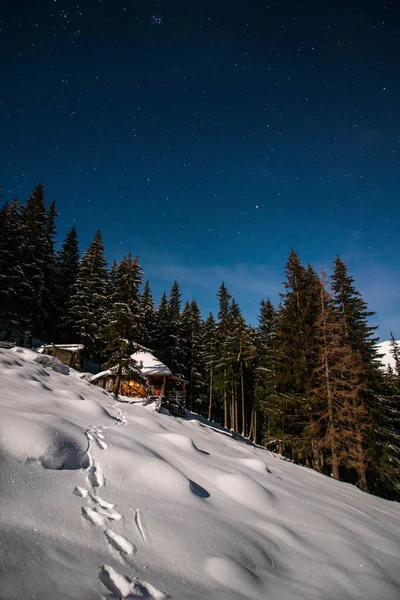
225, 405
236, 414
243, 413
251, 423
191, 389
118, 378
117, 381
211, 395
329, 395
361, 464
255, 426
233, 410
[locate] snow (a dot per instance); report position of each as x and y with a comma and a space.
99, 375
149, 364
67, 347
106, 500
387, 358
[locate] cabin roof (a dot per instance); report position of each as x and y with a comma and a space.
100, 375
149, 364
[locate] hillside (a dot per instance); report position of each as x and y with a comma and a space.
106, 500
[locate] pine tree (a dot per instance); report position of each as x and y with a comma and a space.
265, 367
238, 353
209, 358
68, 266
33, 253
192, 353
395, 352
147, 317
221, 367
113, 276
355, 314
14, 289
122, 327
295, 332
50, 271
88, 304
339, 416
175, 358
162, 329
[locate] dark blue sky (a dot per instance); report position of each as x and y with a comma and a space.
211, 137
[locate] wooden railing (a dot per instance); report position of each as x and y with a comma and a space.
174, 401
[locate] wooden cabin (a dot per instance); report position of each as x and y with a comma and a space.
68, 354
157, 382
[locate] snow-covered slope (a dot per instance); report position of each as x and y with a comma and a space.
100, 500
387, 358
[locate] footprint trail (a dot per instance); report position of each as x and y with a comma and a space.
100, 510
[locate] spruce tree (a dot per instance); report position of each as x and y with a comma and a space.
68, 266
395, 352
193, 369
238, 353
162, 329
50, 271
147, 317
121, 330
265, 368
221, 367
209, 358
88, 304
339, 417
33, 254
168, 338
175, 350
294, 357
14, 289
354, 313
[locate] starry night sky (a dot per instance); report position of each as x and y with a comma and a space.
211, 137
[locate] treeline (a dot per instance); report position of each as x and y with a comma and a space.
306, 382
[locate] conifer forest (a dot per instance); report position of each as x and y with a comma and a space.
306, 382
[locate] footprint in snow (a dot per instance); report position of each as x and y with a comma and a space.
101, 502
100, 442
80, 491
123, 587
110, 513
92, 516
119, 543
96, 477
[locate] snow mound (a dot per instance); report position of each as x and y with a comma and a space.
181, 441
100, 499
52, 363
55, 443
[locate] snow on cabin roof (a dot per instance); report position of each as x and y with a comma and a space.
67, 347
100, 375
149, 364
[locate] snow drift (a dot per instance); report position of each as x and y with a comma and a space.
106, 500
